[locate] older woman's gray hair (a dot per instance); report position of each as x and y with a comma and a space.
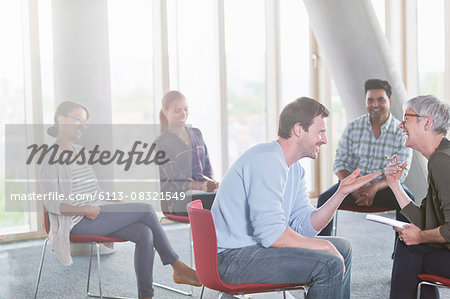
431, 106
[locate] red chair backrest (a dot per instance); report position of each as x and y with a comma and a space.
205, 245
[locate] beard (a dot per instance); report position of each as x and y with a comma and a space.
307, 150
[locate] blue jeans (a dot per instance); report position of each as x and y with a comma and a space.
322, 271
143, 228
384, 198
412, 260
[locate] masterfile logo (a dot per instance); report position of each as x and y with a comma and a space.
123, 161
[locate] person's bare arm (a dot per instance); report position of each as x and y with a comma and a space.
322, 216
291, 239
393, 173
413, 235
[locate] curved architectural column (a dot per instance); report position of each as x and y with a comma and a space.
81, 55
355, 49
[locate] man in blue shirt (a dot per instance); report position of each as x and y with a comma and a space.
265, 223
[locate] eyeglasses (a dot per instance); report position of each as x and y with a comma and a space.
79, 119
410, 114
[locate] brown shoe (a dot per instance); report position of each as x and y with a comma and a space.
182, 280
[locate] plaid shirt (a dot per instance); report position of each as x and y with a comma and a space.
358, 147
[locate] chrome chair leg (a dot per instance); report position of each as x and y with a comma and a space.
99, 271
335, 223
89, 271
100, 295
284, 294
40, 268
419, 287
304, 293
201, 294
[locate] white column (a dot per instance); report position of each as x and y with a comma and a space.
81, 55
81, 67
355, 49
272, 68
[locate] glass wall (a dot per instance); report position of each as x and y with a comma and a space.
12, 98
193, 65
295, 61
193, 51
431, 47
246, 83
131, 61
46, 61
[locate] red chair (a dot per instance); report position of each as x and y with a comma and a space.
432, 280
93, 239
359, 209
205, 252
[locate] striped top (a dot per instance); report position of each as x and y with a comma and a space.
85, 187
358, 147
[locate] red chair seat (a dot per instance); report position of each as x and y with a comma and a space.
93, 238
435, 279
253, 287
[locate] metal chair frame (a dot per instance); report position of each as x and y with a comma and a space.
221, 294
100, 295
335, 219
430, 283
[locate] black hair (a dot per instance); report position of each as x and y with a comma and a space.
64, 109
378, 84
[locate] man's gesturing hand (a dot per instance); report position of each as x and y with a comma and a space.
352, 182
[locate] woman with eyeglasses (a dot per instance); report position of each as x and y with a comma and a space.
136, 222
424, 246
189, 168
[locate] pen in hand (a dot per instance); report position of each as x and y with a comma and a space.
209, 179
390, 159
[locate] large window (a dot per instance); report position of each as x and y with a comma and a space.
202, 59
46, 61
431, 47
193, 65
131, 55
295, 60
245, 60
12, 99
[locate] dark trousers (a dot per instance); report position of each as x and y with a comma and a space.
409, 261
207, 199
384, 198
138, 223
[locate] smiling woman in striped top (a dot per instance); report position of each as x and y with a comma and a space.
136, 222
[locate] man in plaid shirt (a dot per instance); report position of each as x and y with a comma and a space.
365, 144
